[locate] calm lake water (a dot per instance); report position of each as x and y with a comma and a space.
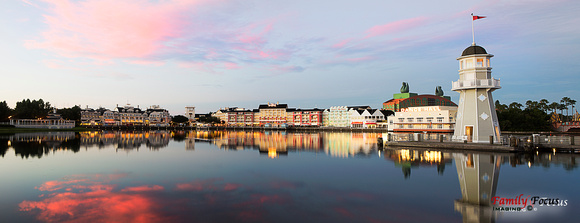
273, 177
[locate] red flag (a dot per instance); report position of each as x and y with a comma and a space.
475, 17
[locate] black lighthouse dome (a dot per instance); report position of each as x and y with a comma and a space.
472, 50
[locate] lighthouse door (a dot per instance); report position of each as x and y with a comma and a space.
469, 133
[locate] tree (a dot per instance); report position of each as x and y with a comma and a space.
499, 106
572, 103
532, 104
544, 105
554, 107
209, 119
73, 113
27, 109
5, 111
565, 102
513, 118
515, 105
179, 119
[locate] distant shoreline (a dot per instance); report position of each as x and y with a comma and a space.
7, 130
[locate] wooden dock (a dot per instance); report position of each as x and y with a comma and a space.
456, 146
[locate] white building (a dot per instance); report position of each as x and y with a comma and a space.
157, 116
366, 118
423, 119
190, 113
339, 116
476, 115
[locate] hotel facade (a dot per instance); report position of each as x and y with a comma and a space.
423, 119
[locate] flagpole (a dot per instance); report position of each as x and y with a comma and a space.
472, 31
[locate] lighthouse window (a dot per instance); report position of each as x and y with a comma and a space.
469, 63
480, 62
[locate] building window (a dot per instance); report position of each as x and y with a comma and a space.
439, 119
410, 119
440, 126
401, 119
420, 119
469, 63
480, 62
410, 126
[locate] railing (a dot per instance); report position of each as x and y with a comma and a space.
558, 140
470, 84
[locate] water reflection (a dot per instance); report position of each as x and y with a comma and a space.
478, 175
98, 197
28, 145
340, 192
126, 140
407, 159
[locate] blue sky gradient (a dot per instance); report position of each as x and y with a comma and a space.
212, 54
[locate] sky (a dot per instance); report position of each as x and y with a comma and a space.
213, 54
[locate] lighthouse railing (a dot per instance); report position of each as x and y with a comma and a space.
481, 83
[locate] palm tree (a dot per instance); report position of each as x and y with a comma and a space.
572, 103
554, 106
562, 107
544, 105
566, 102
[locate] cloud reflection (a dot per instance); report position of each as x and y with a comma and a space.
100, 197
90, 198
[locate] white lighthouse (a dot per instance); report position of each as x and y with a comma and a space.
476, 118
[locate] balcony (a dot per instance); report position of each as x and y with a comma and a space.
473, 84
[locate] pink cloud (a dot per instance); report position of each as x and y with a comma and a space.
110, 28
144, 188
145, 32
360, 59
394, 27
198, 185
231, 186
147, 62
342, 43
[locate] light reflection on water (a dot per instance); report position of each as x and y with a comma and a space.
222, 176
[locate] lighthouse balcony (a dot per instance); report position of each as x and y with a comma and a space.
473, 84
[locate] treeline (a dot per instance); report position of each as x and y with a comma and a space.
534, 116
27, 109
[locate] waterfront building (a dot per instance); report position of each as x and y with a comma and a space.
272, 114
126, 116
423, 119
110, 118
405, 99
476, 115
190, 113
421, 112
222, 113
131, 116
92, 117
52, 121
366, 118
339, 116
157, 116
240, 117
305, 117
